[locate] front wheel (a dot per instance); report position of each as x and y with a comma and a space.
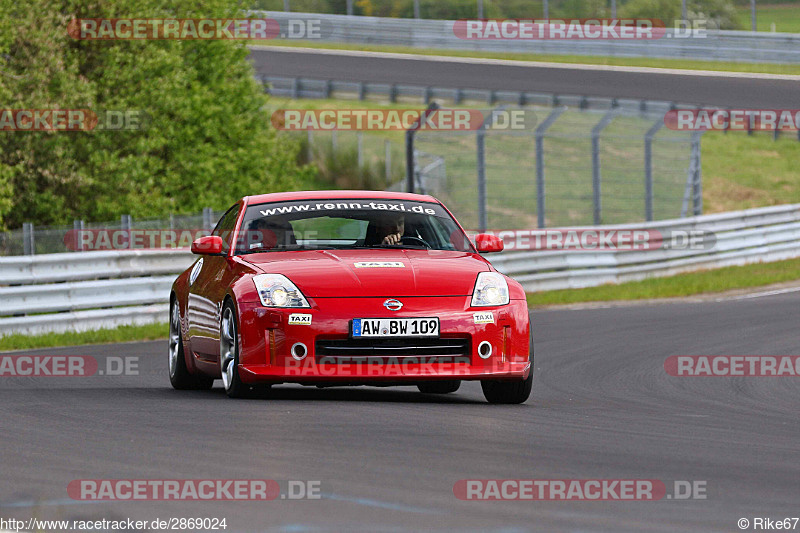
229, 354
510, 392
507, 392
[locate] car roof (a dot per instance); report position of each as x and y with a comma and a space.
336, 195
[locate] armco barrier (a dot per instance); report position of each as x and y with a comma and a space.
27, 269
92, 290
87, 290
719, 45
85, 320
742, 237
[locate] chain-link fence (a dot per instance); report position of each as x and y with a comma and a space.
575, 167
581, 160
174, 230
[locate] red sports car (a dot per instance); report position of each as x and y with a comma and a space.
348, 288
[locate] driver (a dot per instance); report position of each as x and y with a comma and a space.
391, 228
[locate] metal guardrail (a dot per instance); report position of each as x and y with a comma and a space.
85, 320
750, 236
719, 45
80, 295
67, 292
87, 290
393, 92
76, 266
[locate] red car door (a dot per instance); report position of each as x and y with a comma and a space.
207, 291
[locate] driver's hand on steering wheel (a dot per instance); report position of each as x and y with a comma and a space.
392, 238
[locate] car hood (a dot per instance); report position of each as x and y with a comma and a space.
376, 272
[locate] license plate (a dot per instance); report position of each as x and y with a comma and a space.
395, 327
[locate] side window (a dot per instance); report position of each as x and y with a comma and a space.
226, 226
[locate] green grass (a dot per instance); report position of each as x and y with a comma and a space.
741, 171
703, 282
786, 17
102, 336
729, 66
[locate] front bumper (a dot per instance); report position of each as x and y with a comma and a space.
267, 339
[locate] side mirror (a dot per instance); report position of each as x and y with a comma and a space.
487, 243
210, 245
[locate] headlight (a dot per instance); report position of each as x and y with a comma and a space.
275, 290
490, 289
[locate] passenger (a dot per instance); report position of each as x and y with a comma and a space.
270, 233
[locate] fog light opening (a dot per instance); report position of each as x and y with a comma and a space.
485, 350
299, 351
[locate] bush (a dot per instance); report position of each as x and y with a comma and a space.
339, 169
721, 13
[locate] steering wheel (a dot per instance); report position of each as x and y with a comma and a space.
415, 239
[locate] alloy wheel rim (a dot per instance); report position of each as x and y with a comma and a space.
227, 348
174, 340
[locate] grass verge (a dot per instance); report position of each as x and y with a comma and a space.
145, 332
785, 17
685, 64
741, 171
694, 283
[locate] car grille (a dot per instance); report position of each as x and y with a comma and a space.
347, 350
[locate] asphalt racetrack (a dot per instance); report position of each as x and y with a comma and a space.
387, 459
724, 89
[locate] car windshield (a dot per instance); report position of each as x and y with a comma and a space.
349, 224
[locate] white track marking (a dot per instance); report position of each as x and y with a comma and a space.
765, 293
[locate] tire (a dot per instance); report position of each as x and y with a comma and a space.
229, 353
510, 392
439, 387
179, 375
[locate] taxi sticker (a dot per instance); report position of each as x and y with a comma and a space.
300, 319
380, 264
484, 318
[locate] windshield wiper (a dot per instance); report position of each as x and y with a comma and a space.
392, 246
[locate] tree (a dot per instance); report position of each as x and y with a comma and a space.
207, 138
